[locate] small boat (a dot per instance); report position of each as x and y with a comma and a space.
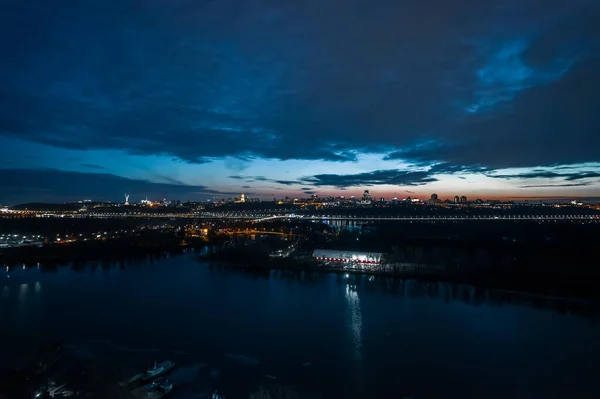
158, 369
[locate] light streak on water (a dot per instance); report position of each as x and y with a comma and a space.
355, 320
23, 290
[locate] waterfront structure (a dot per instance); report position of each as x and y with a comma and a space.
332, 255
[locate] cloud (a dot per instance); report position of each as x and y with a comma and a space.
264, 179
285, 182
487, 85
544, 174
555, 185
24, 185
583, 175
390, 177
92, 166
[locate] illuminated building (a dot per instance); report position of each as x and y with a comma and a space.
331, 255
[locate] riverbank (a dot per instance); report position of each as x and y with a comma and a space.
130, 248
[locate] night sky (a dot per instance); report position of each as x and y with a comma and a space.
195, 99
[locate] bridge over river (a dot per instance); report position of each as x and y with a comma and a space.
265, 217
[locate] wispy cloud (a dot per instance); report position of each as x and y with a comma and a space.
555, 185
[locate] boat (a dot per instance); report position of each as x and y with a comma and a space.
215, 395
158, 369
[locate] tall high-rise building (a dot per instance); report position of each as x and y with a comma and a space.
456, 199
243, 198
463, 199
434, 199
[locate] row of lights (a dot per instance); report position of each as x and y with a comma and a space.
347, 260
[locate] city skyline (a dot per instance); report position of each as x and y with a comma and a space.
195, 100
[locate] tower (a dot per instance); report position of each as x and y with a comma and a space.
126, 199
243, 198
434, 199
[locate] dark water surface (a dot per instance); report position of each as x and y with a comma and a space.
365, 337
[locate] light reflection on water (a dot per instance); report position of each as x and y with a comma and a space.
23, 290
355, 319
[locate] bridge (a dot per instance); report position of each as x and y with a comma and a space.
258, 217
259, 232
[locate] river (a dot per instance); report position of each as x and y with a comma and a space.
327, 335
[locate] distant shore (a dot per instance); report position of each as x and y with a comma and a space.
81, 252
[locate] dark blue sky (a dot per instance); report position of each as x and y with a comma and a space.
193, 99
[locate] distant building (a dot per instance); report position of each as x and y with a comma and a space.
456, 199
434, 199
366, 198
463, 199
243, 198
